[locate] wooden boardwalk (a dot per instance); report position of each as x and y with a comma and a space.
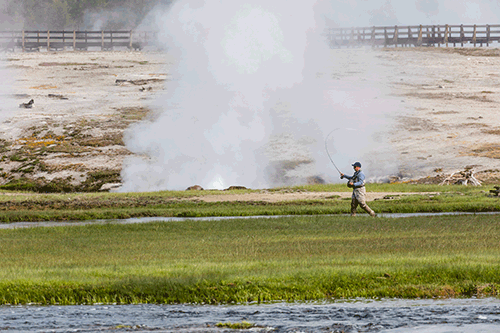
37, 40
390, 36
420, 35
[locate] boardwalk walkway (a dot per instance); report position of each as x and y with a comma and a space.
76, 40
389, 36
421, 35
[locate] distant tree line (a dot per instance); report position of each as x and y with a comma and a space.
75, 14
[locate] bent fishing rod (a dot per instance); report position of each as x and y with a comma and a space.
326, 148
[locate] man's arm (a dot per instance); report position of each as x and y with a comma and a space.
361, 180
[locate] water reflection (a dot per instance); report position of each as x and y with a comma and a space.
14, 225
394, 316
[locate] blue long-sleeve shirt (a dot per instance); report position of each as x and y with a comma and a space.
358, 179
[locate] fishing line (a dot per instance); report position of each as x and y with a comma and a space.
326, 148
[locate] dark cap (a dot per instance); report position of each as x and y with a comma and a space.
357, 164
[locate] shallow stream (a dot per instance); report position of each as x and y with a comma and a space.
390, 316
14, 225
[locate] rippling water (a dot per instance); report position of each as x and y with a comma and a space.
450, 316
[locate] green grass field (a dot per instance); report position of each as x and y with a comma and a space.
88, 206
252, 260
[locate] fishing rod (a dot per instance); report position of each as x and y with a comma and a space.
326, 148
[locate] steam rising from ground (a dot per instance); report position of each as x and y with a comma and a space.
255, 90
7, 101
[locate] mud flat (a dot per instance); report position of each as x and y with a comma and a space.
72, 137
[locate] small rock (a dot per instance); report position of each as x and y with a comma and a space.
110, 186
235, 188
195, 188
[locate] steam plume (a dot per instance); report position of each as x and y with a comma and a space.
252, 98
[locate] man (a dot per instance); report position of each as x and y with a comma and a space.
357, 182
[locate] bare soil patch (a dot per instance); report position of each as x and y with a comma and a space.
448, 109
291, 196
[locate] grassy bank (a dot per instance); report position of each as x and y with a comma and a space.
293, 259
86, 206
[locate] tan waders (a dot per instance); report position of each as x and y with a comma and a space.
358, 198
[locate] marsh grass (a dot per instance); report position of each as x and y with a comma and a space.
258, 260
236, 326
88, 206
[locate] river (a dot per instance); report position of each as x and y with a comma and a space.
384, 316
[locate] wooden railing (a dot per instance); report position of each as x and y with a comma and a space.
421, 35
35, 40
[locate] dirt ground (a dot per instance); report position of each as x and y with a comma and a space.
452, 100
71, 139
303, 195
83, 101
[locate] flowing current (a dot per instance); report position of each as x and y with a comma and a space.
395, 315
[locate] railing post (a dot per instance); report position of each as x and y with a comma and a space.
410, 36
48, 40
385, 37
474, 35
130, 41
102, 40
446, 31
462, 35
439, 35
74, 40
373, 36
24, 37
419, 41
433, 35
395, 38
487, 35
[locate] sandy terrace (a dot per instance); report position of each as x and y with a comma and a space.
277, 197
83, 101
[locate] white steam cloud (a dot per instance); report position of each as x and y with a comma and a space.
255, 90
7, 101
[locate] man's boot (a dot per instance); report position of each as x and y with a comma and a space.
354, 206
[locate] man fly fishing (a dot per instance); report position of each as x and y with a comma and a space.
357, 182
